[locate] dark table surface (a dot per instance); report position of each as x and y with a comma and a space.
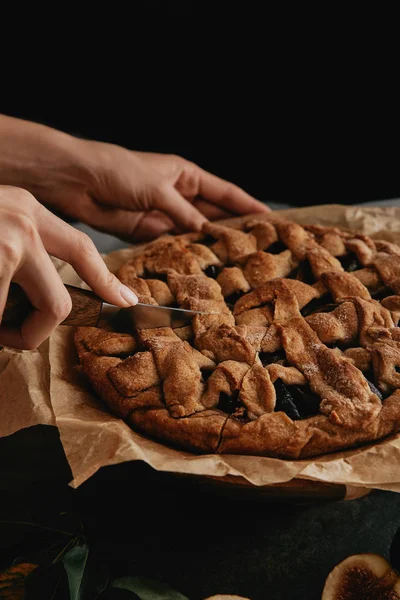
140, 522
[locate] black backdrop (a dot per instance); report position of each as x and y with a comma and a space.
297, 120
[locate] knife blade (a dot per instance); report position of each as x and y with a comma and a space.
90, 310
148, 316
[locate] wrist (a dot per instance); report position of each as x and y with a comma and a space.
40, 159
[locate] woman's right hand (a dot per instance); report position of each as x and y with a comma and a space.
28, 234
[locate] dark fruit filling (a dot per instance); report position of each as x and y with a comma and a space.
213, 271
175, 305
375, 390
306, 401
207, 240
305, 274
268, 358
382, 293
233, 298
285, 401
349, 262
298, 402
276, 248
205, 374
229, 404
160, 276
325, 308
322, 304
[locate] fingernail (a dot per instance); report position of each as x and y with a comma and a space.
127, 295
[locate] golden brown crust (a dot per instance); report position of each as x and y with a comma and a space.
97, 369
262, 376
98, 341
200, 432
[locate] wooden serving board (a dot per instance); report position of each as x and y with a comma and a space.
297, 491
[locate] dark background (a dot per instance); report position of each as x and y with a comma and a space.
289, 109
297, 152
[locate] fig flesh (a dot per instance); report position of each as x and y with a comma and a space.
225, 597
362, 577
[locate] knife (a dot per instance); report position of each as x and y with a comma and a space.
90, 310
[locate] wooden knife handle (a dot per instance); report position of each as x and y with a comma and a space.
86, 307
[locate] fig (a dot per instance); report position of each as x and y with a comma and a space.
306, 402
276, 248
374, 389
350, 263
212, 271
269, 358
285, 401
226, 597
233, 298
229, 404
362, 577
323, 304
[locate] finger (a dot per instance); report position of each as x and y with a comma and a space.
5, 280
228, 196
76, 248
152, 225
48, 296
184, 215
130, 226
211, 211
165, 199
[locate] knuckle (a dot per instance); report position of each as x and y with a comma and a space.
109, 280
25, 197
9, 252
188, 183
175, 157
20, 195
86, 247
162, 189
26, 225
230, 190
104, 281
61, 307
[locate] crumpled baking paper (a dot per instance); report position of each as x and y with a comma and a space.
45, 387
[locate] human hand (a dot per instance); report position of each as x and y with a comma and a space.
140, 195
28, 234
134, 195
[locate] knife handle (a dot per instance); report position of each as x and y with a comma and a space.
86, 307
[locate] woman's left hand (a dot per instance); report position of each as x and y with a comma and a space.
134, 195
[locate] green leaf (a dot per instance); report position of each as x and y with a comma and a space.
75, 562
147, 589
86, 578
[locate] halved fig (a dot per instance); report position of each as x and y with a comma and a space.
226, 597
362, 577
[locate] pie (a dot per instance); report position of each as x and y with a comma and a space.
300, 357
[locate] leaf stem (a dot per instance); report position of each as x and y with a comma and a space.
38, 525
71, 542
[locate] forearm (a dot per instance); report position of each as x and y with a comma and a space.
36, 157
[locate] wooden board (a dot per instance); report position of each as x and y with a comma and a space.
298, 491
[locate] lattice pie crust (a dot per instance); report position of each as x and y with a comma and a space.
302, 359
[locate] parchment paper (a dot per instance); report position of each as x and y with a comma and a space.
44, 387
